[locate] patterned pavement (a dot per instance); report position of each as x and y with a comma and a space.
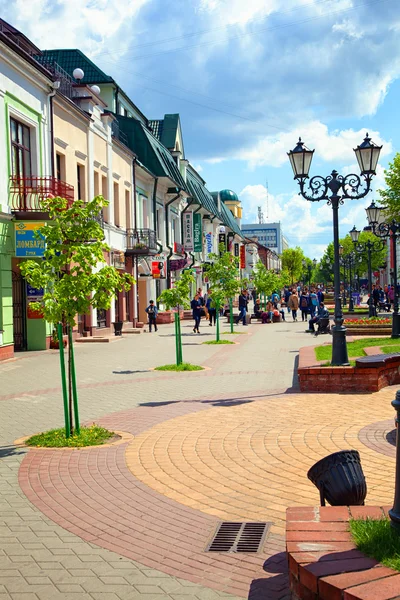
133, 520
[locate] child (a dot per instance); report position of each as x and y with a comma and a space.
152, 315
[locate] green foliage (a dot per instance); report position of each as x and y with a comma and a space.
377, 258
178, 295
181, 367
377, 539
223, 275
355, 349
265, 281
69, 272
390, 196
292, 262
55, 438
215, 342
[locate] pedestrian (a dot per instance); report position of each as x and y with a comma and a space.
287, 293
304, 305
195, 305
321, 296
152, 312
243, 302
212, 311
313, 303
391, 295
323, 313
294, 304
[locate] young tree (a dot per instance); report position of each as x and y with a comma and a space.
292, 262
175, 298
71, 278
223, 275
391, 195
265, 281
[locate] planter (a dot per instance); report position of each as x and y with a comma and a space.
118, 327
167, 316
55, 345
368, 330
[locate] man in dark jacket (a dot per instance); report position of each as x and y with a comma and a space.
243, 302
152, 315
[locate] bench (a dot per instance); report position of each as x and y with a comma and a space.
377, 360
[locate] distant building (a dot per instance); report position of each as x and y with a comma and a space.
267, 234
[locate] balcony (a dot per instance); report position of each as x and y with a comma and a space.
27, 193
141, 242
118, 134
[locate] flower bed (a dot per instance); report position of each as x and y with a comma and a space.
363, 321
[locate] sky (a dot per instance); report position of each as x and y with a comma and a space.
249, 78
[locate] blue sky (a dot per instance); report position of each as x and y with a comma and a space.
247, 79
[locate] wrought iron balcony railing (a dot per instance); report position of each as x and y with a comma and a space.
27, 193
118, 134
141, 241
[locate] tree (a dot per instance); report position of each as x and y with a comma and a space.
223, 275
292, 262
391, 195
175, 298
265, 281
71, 278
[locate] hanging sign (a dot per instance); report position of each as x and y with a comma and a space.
158, 269
26, 243
197, 233
222, 240
208, 240
242, 257
34, 294
177, 264
188, 231
236, 249
178, 248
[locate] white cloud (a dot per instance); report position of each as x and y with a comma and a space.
198, 168
237, 12
348, 29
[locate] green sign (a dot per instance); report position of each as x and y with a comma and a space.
198, 233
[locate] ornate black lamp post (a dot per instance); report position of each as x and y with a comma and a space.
351, 186
309, 268
360, 248
394, 513
392, 231
349, 262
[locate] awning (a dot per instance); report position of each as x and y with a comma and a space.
201, 195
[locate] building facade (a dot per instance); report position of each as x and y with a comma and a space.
268, 234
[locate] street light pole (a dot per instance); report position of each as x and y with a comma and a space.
360, 248
350, 186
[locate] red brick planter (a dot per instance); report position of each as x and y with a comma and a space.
167, 316
371, 378
324, 563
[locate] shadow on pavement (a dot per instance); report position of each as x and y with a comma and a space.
227, 402
130, 372
11, 451
154, 404
184, 334
272, 588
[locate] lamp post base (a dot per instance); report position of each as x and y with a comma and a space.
351, 304
396, 325
395, 519
339, 347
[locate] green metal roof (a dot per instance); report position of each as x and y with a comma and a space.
228, 195
166, 130
73, 59
150, 152
200, 194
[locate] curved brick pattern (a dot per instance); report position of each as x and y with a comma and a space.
252, 462
92, 494
324, 563
380, 437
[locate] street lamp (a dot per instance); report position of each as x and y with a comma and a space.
350, 186
360, 248
392, 231
349, 262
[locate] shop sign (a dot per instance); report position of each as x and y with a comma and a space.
222, 240
31, 313
34, 294
208, 240
26, 242
158, 269
188, 231
242, 257
236, 249
178, 248
177, 264
197, 233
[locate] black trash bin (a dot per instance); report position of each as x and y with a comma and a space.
118, 327
340, 479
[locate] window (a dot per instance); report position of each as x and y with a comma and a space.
80, 180
20, 149
60, 166
96, 183
128, 217
117, 214
104, 193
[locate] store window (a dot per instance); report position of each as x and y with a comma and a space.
20, 149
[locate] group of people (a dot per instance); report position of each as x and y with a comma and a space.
203, 306
309, 302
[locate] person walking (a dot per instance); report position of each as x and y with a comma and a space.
304, 304
287, 293
196, 307
152, 312
313, 303
294, 304
212, 311
243, 302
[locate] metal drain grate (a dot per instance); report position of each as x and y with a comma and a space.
239, 537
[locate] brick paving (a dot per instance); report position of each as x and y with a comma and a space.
96, 529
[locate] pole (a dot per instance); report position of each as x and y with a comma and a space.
394, 513
180, 339
339, 347
344, 282
177, 352
74, 389
351, 299
231, 313
217, 317
63, 380
396, 315
371, 311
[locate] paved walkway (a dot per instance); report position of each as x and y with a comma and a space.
133, 520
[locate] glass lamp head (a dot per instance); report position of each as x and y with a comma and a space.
300, 159
367, 154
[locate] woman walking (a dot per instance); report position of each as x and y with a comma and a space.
294, 304
304, 304
196, 307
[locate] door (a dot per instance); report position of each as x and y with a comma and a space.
19, 312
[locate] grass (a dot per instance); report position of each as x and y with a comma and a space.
234, 333
328, 364
181, 367
390, 349
55, 438
377, 539
215, 342
355, 349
